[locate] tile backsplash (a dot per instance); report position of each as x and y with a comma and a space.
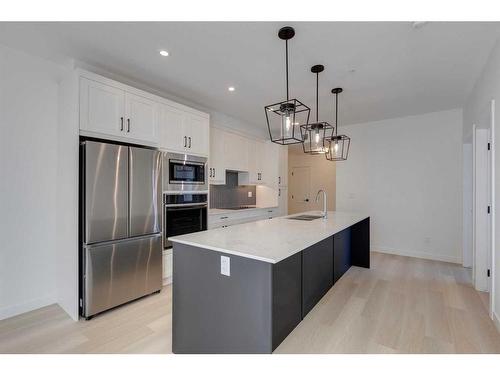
231, 194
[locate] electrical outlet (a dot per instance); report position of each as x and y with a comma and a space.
249, 194
225, 266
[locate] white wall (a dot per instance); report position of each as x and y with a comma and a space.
28, 182
406, 173
487, 88
467, 205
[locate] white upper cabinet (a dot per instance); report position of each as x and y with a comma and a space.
141, 117
112, 110
171, 129
183, 132
270, 164
235, 152
256, 174
217, 170
102, 108
197, 130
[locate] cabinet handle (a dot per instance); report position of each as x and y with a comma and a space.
128, 125
279, 192
185, 141
189, 142
223, 217
279, 180
211, 172
121, 124
214, 172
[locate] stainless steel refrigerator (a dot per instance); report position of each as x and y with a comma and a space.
120, 225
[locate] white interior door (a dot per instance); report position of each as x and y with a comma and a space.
300, 189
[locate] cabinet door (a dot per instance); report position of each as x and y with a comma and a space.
283, 166
260, 160
171, 129
235, 155
197, 133
141, 115
217, 172
253, 172
270, 165
101, 108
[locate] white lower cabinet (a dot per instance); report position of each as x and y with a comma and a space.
241, 217
167, 266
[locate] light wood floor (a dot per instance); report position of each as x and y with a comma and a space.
400, 305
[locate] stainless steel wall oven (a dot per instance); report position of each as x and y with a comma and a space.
183, 214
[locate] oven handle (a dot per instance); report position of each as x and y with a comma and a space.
190, 205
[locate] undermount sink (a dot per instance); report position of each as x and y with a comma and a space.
305, 217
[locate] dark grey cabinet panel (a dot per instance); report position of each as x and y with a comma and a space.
287, 297
317, 273
341, 253
214, 313
360, 244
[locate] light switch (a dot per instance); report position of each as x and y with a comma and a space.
249, 194
225, 265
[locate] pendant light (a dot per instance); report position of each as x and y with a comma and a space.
338, 145
315, 135
283, 117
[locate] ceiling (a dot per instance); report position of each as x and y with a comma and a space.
387, 69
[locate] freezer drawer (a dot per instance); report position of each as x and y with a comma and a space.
144, 191
106, 191
120, 272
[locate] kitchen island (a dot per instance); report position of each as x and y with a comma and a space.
244, 288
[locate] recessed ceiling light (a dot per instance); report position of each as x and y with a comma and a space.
164, 53
231, 88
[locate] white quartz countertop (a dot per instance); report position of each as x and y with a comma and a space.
271, 240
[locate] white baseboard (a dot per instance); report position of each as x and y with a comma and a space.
416, 254
496, 320
10, 311
167, 280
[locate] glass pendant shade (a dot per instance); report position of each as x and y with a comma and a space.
283, 117
315, 137
338, 145
338, 148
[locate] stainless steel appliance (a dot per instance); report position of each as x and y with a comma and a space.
183, 214
184, 173
120, 225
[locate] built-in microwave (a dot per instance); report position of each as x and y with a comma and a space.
183, 173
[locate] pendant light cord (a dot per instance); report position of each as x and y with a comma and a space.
336, 112
317, 90
286, 59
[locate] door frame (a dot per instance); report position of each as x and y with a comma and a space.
491, 156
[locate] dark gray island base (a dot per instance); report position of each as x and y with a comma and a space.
255, 308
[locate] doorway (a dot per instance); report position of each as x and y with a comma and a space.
300, 190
